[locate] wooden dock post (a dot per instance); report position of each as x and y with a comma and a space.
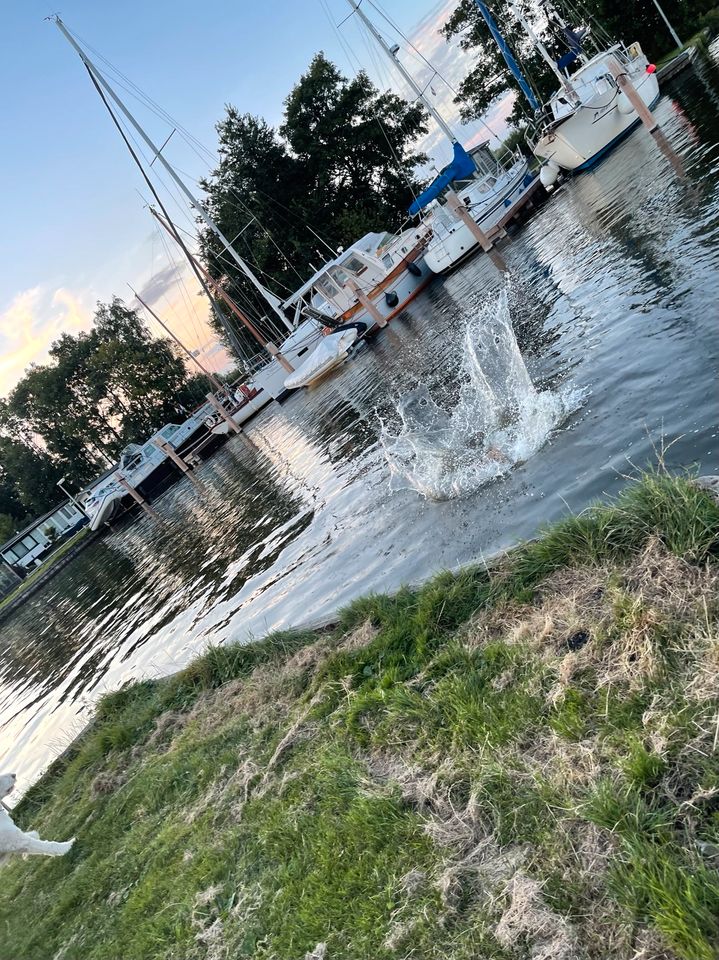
137, 497
630, 91
367, 303
170, 452
223, 413
459, 209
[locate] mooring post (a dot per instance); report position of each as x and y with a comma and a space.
459, 209
170, 452
367, 303
223, 413
137, 497
630, 91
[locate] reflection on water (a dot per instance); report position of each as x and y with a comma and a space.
613, 289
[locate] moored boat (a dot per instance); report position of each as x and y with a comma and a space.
331, 352
492, 191
584, 121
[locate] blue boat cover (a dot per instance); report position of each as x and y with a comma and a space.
461, 168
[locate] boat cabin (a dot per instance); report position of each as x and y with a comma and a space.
366, 264
591, 80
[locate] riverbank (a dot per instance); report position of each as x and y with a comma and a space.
507, 763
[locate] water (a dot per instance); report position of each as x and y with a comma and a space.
498, 421
613, 294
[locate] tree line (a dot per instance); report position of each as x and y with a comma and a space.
73, 415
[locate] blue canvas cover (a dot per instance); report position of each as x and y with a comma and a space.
461, 168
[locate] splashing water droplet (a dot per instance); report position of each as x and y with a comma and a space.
499, 421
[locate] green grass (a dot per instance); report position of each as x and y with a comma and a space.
393, 786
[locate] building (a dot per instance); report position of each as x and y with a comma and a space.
28, 547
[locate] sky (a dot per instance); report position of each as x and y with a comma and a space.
75, 227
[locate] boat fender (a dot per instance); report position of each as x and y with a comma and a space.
528, 178
548, 174
414, 269
391, 298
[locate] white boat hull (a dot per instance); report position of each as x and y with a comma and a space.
453, 240
332, 351
580, 141
107, 508
388, 302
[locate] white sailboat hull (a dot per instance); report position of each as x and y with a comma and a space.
453, 240
580, 141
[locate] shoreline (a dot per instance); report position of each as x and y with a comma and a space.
519, 757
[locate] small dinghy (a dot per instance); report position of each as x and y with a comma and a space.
330, 353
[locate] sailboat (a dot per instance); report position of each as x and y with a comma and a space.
364, 286
589, 113
493, 191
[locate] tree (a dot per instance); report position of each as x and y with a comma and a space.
340, 165
101, 390
355, 146
491, 79
627, 20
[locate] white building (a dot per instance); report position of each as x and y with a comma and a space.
27, 548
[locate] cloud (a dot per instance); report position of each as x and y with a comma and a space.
29, 324
159, 285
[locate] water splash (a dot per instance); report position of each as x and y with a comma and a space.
499, 421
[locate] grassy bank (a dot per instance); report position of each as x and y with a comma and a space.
513, 764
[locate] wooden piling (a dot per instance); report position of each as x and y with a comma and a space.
367, 303
137, 497
170, 452
630, 91
459, 209
223, 413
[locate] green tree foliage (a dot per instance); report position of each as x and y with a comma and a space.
73, 416
627, 20
340, 165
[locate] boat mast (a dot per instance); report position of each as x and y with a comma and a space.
222, 294
544, 52
508, 55
270, 299
210, 376
392, 54
231, 335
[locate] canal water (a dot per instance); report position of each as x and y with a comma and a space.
613, 300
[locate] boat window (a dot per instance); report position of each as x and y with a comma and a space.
387, 260
355, 265
327, 288
340, 276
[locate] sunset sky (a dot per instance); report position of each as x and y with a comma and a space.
75, 230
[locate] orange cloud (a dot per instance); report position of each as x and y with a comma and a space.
28, 325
